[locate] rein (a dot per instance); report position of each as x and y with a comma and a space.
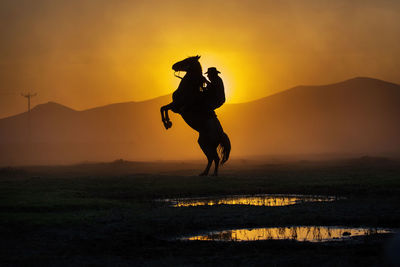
177, 76
202, 86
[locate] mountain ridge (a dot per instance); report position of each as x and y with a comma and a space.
165, 97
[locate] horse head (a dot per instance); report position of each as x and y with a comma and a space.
190, 64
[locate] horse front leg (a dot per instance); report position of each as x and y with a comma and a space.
162, 110
168, 122
164, 116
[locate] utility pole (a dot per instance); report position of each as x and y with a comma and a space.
29, 96
29, 138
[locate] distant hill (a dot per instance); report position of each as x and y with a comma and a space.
357, 116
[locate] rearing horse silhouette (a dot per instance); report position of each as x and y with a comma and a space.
187, 101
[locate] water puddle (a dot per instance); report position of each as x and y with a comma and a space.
269, 200
297, 233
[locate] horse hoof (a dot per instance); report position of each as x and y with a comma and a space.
167, 125
203, 174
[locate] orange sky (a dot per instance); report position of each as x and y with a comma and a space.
95, 52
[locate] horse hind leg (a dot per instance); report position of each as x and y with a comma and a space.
207, 152
216, 162
212, 156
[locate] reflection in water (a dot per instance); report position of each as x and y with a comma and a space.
298, 233
256, 200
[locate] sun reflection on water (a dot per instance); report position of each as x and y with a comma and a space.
256, 200
298, 233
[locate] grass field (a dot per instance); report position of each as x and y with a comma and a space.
105, 214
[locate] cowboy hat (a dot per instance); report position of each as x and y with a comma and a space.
212, 70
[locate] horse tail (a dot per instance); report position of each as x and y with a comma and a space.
224, 148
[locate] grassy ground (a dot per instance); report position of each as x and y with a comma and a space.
105, 214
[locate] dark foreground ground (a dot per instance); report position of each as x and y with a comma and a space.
105, 214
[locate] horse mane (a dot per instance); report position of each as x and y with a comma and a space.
196, 68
